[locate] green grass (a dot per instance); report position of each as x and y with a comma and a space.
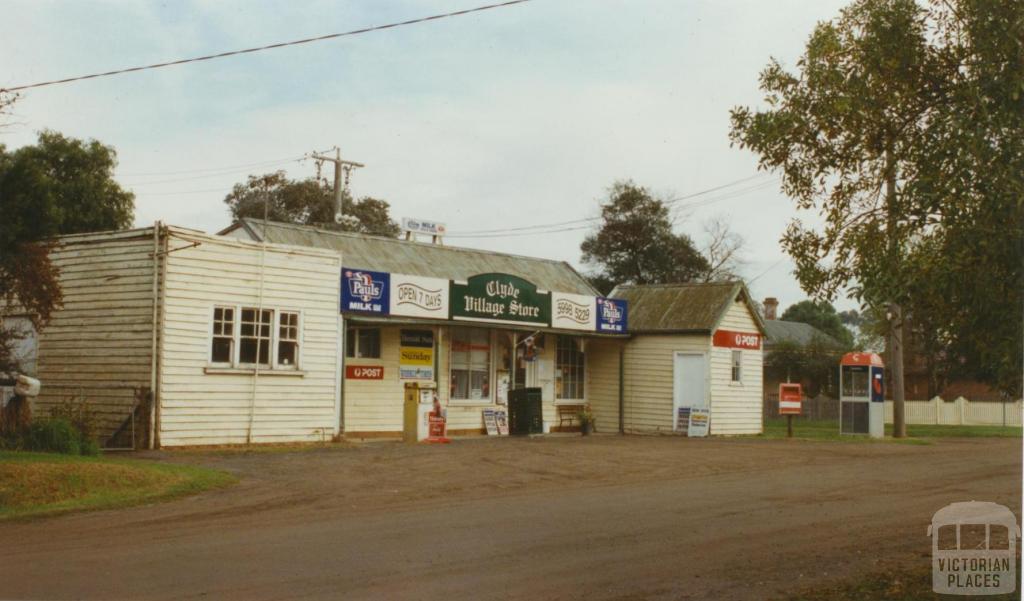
918, 434
901, 583
38, 484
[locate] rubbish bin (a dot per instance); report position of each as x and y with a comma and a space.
525, 413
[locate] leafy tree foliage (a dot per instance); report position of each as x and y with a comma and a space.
814, 365
902, 129
58, 186
307, 202
636, 245
822, 315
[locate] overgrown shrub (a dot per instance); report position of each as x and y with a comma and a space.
54, 435
80, 413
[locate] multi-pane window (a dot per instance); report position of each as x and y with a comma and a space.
222, 350
254, 340
570, 371
247, 336
471, 364
737, 366
362, 343
287, 339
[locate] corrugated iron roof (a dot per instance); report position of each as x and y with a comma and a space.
795, 332
680, 308
378, 253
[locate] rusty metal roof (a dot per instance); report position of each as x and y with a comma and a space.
681, 308
376, 253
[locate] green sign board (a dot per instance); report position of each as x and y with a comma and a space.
500, 297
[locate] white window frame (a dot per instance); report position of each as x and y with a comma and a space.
737, 366
583, 377
299, 342
491, 354
236, 342
213, 336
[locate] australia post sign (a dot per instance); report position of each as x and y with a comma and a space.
500, 297
740, 340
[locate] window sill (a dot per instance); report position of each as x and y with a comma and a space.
570, 402
470, 403
249, 371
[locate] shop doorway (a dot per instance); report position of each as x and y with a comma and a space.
688, 388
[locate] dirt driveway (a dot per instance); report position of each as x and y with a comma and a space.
549, 518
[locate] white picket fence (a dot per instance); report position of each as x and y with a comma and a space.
960, 412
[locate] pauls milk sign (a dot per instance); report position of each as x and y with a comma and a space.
500, 297
365, 291
611, 315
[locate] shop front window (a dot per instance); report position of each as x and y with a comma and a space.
470, 364
362, 343
569, 369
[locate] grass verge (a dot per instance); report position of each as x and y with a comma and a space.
38, 484
897, 584
917, 434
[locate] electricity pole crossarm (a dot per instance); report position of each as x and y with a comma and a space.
341, 168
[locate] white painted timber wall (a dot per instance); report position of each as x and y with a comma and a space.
197, 407
736, 407
97, 347
648, 386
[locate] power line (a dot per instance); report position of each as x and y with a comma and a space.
206, 176
267, 47
671, 201
773, 266
209, 169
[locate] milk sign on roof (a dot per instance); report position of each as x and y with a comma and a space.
611, 315
365, 291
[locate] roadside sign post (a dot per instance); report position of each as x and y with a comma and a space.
790, 397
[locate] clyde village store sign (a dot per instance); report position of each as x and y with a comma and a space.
489, 297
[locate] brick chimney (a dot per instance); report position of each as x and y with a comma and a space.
771, 305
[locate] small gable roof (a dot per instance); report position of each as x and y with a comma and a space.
378, 253
682, 308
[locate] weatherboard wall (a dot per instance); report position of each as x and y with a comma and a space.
97, 345
201, 404
736, 407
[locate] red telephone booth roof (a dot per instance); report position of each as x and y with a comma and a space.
862, 359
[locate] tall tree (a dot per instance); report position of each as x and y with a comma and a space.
722, 249
307, 202
903, 129
58, 186
822, 315
635, 243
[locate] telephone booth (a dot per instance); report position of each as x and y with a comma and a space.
861, 395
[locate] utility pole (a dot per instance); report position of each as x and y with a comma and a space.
342, 169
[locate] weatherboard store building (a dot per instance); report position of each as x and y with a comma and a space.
471, 341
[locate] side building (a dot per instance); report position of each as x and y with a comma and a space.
691, 346
227, 341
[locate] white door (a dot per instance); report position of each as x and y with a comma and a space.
689, 388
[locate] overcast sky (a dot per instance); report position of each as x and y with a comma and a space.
500, 119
